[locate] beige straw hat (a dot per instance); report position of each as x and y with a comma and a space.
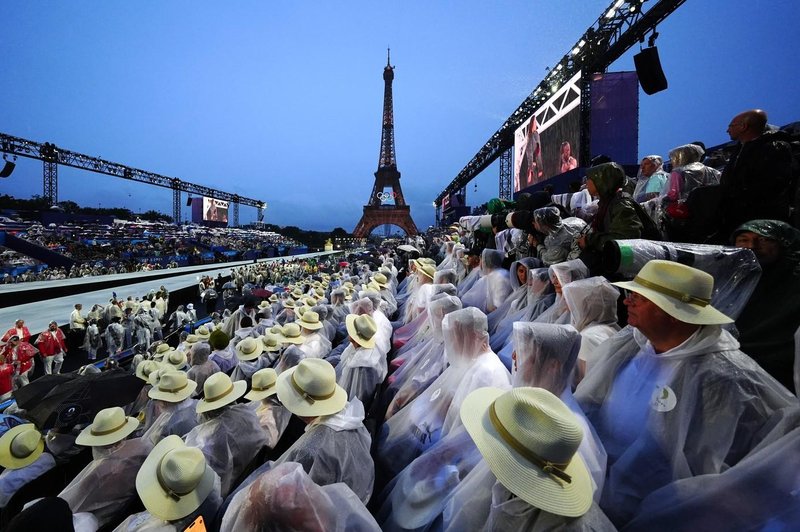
110, 425
263, 385
530, 439
289, 303
176, 359
202, 333
145, 368
218, 391
161, 349
297, 293
272, 342
310, 320
291, 334
362, 329
310, 390
249, 349
174, 479
427, 270
21, 446
681, 291
192, 339
381, 280
172, 387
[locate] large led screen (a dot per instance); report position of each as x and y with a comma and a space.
215, 210
547, 144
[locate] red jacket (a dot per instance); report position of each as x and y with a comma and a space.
21, 357
26, 334
51, 343
6, 378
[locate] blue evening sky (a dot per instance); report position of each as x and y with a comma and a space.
281, 101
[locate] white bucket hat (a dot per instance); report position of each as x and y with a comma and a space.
174, 479
310, 390
362, 329
109, 426
681, 291
172, 387
249, 349
21, 446
218, 391
530, 439
310, 320
263, 385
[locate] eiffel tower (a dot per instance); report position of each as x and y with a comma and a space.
386, 207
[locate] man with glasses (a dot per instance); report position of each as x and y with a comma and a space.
672, 396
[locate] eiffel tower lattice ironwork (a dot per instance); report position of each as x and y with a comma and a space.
386, 207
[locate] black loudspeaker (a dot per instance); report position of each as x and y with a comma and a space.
7, 169
188, 202
648, 68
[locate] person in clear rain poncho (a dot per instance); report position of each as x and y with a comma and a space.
171, 409
592, 306
106, 485
272, 416
328, 330
412, 334
422, 290
23, 457
544, 357
425, 363
223, 354
287, 498
362, 367
651, 181
518, 299
672, 396
201, 368
315, 344
229, 434
335, 446
383, 338
177, 487
434, 413
559, 235
340, 309
539, 295
530, 439
493, 287
250, 353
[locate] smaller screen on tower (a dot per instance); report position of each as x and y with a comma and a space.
547, 144
215, 210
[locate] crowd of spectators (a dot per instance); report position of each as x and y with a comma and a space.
529, 370
127, 247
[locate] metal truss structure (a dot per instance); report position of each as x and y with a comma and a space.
622, 24
52, 156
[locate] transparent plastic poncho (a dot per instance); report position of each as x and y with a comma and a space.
230, 437
479, 294
423, 365
735, 270
696, 409
435, 412
539, 296
518, 298
546, 357
108, 483
164, 419
336, 448
563, 273
592, 304
287, 498
360, 371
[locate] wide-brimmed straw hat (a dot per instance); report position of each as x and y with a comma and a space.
145, 368
362, 329
273, 298
297, 293
249, 349
309, 301
218, 391
21, 446
310, 390
174, 479
263, 384
109, 426
202, 333
192, 339
681, 291
176, 359
381, 280
290, 334
161, 349
271, 342
416, 502
264, 304
426, 269
530, 439
289, 303
172, 387
310, 320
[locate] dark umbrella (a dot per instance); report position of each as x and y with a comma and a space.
261, 292
229, 286
78, 400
